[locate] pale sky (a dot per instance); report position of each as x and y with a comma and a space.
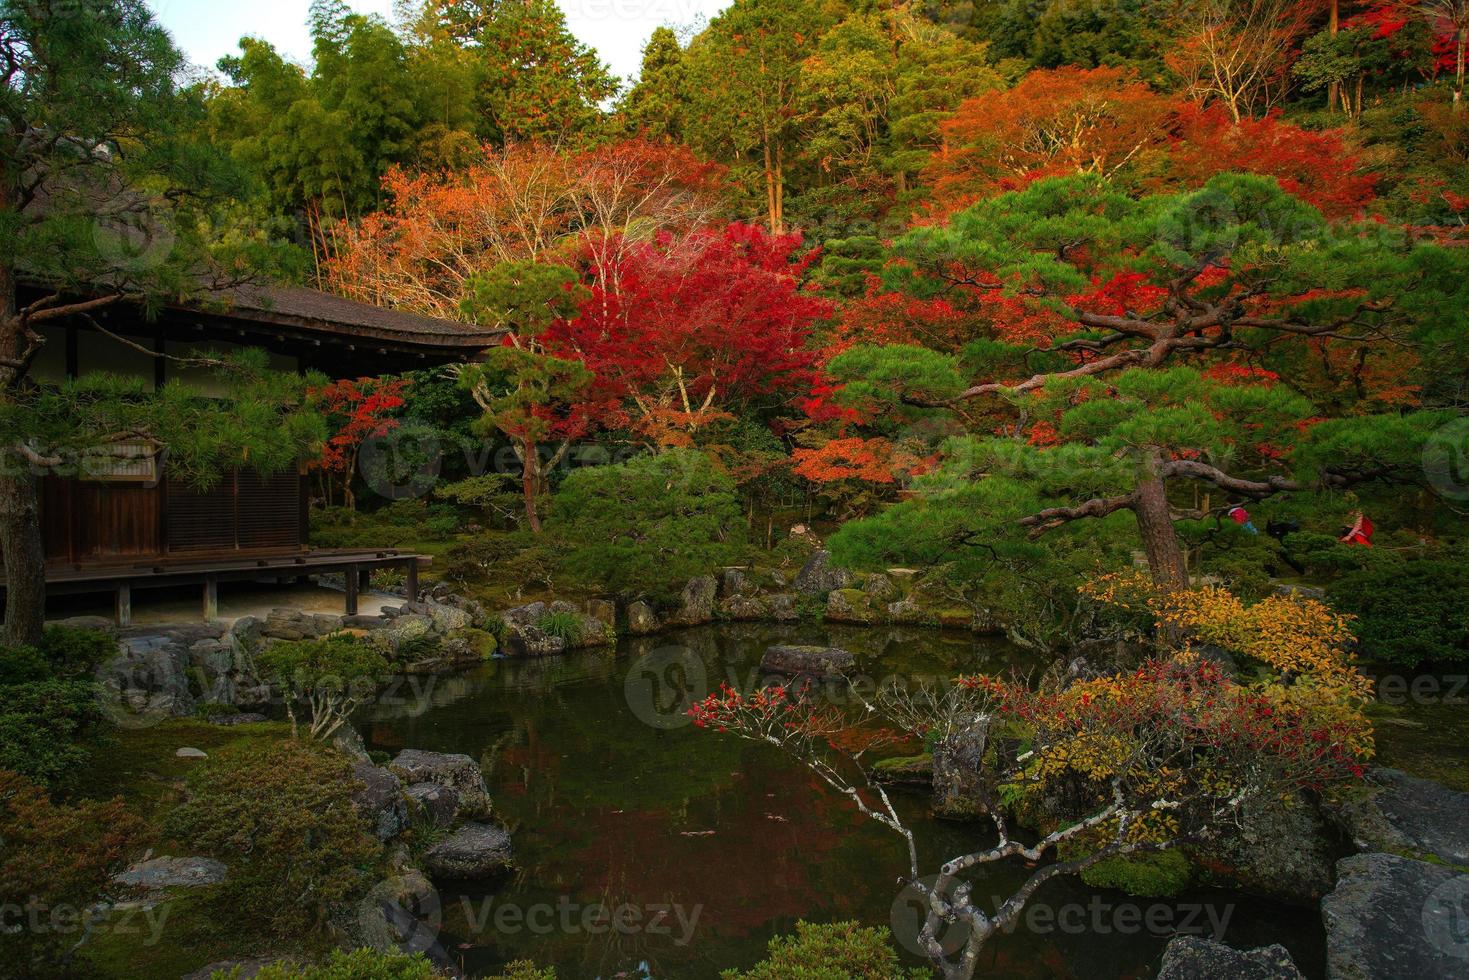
208, 29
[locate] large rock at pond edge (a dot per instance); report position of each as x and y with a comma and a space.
1284, 851
459, 772
1195, 958
1393, 917
808, 661
436, 805
472, 853
1409, 816
696, 605
641, 619
380, 800
851, 606
819, 576
532, 641
604, 611
526, 615
171, 872
959, 778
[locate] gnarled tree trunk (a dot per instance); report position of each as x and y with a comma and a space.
25, 557
1155, 526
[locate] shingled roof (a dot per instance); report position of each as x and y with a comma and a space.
313, 311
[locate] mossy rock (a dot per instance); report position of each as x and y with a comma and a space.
1160, 874
905, 770
851, 606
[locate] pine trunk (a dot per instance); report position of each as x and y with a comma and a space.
21, 547
25, 556
1155, 525
529, 478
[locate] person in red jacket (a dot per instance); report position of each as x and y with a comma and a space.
1360, 532
1240, 516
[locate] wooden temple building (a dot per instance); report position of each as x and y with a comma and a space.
127, 526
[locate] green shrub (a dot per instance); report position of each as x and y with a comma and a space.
279, 813
563, 624
441, 528
474, 559
1161, 874
63, 653
332, 675
362, 964
1410, 614
650, 524
56, 857
524, 970
838, 951
45, 726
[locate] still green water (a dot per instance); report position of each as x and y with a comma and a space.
651, 849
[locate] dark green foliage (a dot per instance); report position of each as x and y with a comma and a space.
650, 524
45, 726
563, 624
400, 523
1410, 614
279, 813
49, 709
835, 951
361, 964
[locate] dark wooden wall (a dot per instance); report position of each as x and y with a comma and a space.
86, 521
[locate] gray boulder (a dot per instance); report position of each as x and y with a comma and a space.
603, 610
380, 800
459, 772
474, 852
402, 630
157, 874
247, 631
819, 576
532, 641
809, 661
1409, 816
1196, 958
641, 619
148, 678
733, 581
1393, 917
851, 606
436, 805
526, 615
697, 602
1285, 851
960, 790
348, 741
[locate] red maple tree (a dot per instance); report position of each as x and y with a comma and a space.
356, 409
691, 327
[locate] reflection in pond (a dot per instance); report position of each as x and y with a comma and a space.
648, 849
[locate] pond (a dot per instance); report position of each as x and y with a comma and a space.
651, 849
